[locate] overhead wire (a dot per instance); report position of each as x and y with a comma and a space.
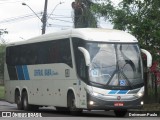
61, 20
5, 2
19, 18
57, 25
58, 15
29, 16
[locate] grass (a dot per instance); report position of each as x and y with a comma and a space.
1, 92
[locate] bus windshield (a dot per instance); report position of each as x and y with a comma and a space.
115, 64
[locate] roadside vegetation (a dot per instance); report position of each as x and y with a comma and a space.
1, 92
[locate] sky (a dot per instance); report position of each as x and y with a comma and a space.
22, 24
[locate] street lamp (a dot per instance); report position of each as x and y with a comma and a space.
31, 10
54, 9
44, 18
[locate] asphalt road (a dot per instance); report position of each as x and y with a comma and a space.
51, 113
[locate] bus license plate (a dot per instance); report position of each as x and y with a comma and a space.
118, 104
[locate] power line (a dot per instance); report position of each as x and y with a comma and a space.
59, 15
61, 20
56, 25
4, 0
28, 16
14, 19
54, 9
9, 2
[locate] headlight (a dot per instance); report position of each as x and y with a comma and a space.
140, 92
91, 92
91, 102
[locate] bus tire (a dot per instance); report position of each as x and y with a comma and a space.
18, 100
25, 103
71, 105
120, 113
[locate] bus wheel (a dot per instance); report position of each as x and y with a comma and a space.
71, 104
18, 100
120, 113
26, 105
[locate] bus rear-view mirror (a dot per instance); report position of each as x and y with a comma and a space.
149, 57
86, 55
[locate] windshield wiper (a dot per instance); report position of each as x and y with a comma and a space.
127, 60
120, 71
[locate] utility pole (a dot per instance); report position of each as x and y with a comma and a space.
44, 19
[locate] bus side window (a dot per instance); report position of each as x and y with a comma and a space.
66, 52
54, 52
8, 56
59, 52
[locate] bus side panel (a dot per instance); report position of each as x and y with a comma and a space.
48, 84
45, 84
6, 75
53, 90
9, 92
82, 94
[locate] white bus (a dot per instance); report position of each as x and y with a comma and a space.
75, 70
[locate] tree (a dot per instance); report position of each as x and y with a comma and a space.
3, 31
2, 55
83, 16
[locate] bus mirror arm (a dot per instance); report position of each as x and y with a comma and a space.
149, 57
86, 55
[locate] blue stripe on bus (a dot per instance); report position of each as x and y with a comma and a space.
113, 91
122, 92
20, 72
25, 71
118, 92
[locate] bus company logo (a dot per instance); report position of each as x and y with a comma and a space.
6, 114
45, 72
20, 114
118, 97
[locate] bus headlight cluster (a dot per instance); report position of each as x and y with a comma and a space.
91, 92
95, 94
142, 103
91, 103
140, 93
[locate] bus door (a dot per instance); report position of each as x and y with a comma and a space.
82, 79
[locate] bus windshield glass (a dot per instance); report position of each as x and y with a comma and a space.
115, 64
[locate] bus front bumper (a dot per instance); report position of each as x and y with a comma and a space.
95, 103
